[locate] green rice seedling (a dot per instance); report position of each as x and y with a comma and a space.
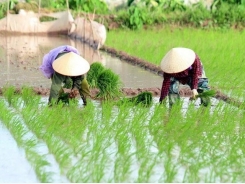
8, 93
118, 170
170, 171
146, 169
90, 143
28, 96
43, 124
109, 85
98, 170
92, 76
40, 163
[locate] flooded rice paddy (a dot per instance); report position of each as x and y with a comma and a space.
21, 57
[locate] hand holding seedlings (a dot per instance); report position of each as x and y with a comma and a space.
73, 93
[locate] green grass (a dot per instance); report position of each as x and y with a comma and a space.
220, 51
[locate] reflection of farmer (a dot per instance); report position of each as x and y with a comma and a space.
63, 65
182, 65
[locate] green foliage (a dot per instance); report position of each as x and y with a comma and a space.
197, 16
12, 4
3, 10
172, 5
29, 6
223, 14
226, 15
109, 85
95, 69
4, 7
136, 18
129, 2
56, 4
97, 6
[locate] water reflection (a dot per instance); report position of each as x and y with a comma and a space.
21, 56
14, 168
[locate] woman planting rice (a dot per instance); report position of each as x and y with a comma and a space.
182, 65
64, 65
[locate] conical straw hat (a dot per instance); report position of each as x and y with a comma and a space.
177, 60
71, 64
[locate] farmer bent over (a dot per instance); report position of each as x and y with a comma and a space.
64, 65
182, 65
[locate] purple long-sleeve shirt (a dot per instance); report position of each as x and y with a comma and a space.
49, 58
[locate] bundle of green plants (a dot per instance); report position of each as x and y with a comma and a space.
109, 85
143, 98
95, 69
65, 97
208, 93
68, 83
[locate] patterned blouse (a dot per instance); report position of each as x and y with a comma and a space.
190, 74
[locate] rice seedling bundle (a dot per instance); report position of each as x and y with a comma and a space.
92, 75
144, 98
64, 97
109, 85
209, 93
68, 83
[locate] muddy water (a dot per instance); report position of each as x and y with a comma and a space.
21, 56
